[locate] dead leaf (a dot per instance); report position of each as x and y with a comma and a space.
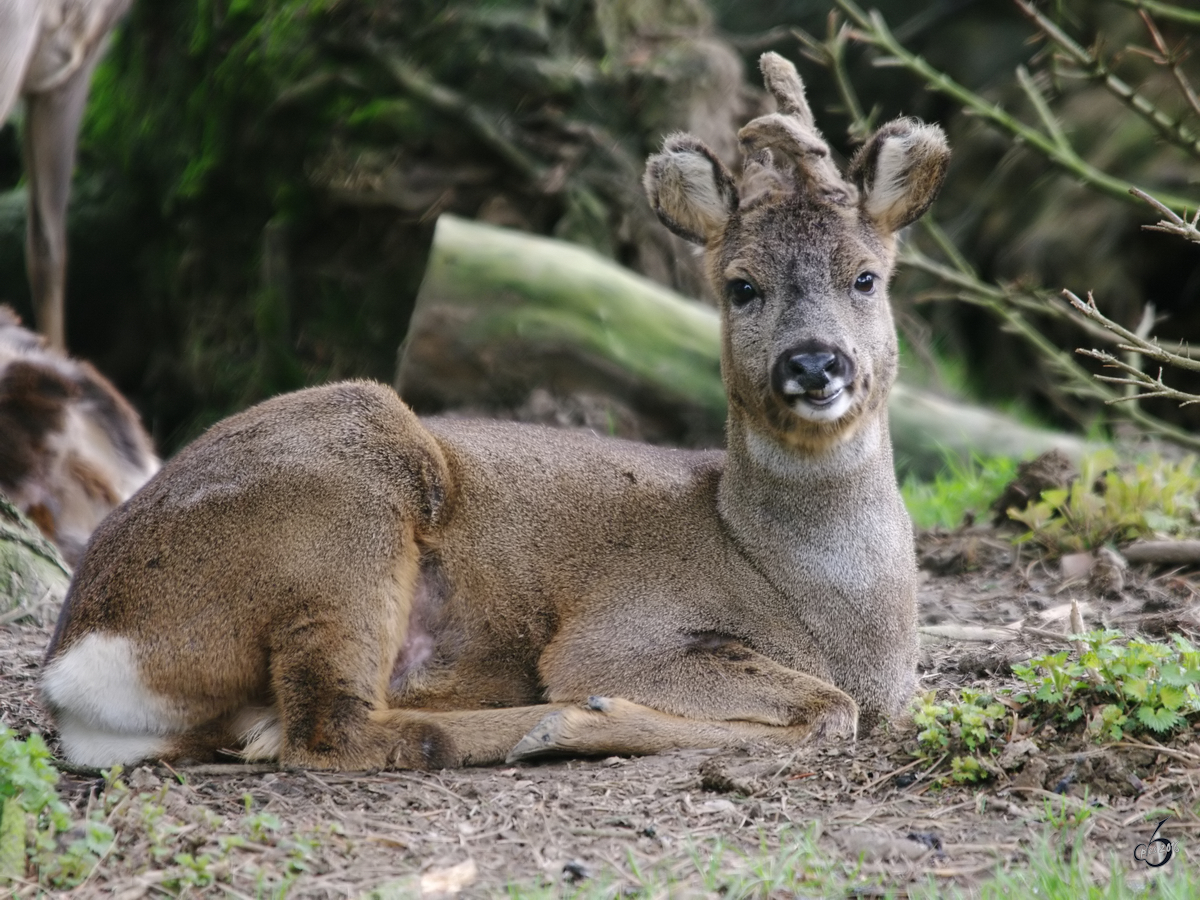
450, 880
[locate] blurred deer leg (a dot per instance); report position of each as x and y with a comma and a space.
20, 28
51, 133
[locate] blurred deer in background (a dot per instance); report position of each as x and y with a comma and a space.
48, 49
71, 447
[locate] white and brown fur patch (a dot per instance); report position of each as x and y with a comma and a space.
73, 447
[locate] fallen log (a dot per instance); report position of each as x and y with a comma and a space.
502, 314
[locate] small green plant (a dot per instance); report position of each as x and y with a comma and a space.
958, 490
262, 826
1110, 504
1065, 815
1116, 688
963, 728
32, 810
190, 871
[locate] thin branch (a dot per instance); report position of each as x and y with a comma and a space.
1096, 69
1133, 356
1137, 379
934, 229
1028, 300
1131, 340
1172, 224
874, 31
831, 53
1009, 307
1171, 59
1078, 381
1165, 10
1038, 100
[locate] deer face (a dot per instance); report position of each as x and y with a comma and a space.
808, 344
801, 258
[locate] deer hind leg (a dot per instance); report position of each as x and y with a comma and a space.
329, 670
20, 28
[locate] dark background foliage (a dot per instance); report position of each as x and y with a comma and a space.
258, 179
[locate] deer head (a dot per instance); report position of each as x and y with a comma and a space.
800, 257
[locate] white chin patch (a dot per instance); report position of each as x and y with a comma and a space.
828, 405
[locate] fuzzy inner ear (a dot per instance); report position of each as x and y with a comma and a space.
900, 171
692, 191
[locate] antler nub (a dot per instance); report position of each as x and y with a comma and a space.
791, 137
783, 81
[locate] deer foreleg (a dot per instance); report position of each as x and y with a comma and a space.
684, 689
603, 726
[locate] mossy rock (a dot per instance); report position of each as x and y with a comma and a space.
33, 576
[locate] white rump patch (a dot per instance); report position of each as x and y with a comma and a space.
98, 680
105, 713
85, 745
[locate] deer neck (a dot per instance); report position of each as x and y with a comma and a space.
779, 502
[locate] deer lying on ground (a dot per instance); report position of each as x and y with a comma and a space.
71, 447
327, 580
48, 49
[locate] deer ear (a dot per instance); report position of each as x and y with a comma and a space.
900, 171
691, 191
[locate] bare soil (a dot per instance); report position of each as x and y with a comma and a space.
613, 820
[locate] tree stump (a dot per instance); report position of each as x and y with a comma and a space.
33, 576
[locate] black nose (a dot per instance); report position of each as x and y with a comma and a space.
810, 368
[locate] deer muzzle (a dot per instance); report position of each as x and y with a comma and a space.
815, 379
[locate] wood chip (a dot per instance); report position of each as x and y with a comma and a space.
450, 880
975, 633
1166, 553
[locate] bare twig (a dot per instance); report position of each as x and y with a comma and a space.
1165, 10
1130, 340
1171, 59
831, 53
1010, 306
1172, 224
873, 30
1098, 71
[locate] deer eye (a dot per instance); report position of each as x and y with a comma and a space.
865, 283
740, 292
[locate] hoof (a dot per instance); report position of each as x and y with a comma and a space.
555, 733
837, 720
542, 739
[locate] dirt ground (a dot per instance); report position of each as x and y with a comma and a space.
984, 604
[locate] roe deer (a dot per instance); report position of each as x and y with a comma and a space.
328, 580
71, 447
